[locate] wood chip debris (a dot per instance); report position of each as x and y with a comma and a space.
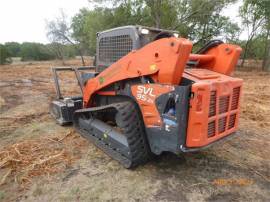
24, 160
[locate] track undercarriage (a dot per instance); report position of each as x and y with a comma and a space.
116, 129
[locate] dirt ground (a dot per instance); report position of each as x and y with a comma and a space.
41, 161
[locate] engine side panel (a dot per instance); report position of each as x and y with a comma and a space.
214, 107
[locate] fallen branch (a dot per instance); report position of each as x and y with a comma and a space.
263, 176
255, 171
193, 185
17, 150
7, 129
33, 116
67, 134
3, 163
46, 160
5, 177
50, 139
40, 81
3, 152
25, 179
10, 117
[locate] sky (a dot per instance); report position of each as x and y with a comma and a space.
25, 20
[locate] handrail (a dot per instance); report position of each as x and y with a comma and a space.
76, 71
201, 58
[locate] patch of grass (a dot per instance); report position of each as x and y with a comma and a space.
2, 195
75, 190
72, 195
37, 191
35, 126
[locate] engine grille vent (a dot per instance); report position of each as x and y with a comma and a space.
211, 129
222, 124
224, 104
113, 48
222, 114
232, 121
235, 98
212, 107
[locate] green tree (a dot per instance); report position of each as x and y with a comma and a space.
263, 7
256, 18
255, 47
35, 51
4, 55
59, 31
14, 48
57, 50
199, 20
87, 23
78, 26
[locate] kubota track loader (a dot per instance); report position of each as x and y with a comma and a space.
150, 94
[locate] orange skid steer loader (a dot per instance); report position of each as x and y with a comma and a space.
150, 94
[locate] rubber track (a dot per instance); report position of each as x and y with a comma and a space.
129, 120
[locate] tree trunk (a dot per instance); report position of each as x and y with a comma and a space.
155, 8
158, 14
266, 58
81, 54
79, 49
82, 59
266, 61
245, 52
252, 34
59, 53
157, 20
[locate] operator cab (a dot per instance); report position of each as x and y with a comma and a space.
115, 43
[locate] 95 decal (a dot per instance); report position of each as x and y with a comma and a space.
145, 94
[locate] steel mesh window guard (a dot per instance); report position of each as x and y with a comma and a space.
113, 48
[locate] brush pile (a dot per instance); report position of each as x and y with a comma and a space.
44, 156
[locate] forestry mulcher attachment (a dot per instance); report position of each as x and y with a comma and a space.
150, 94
